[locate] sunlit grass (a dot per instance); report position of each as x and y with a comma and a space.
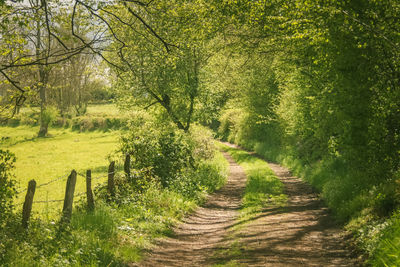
110, 110
45, 159
111, 234
263, 188
386, 248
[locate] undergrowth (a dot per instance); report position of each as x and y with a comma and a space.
363, 210
120, 228
103, 117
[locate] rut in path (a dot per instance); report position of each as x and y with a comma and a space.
300, 234
195, 239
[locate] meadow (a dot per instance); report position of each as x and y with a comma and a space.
116, 232
54, 157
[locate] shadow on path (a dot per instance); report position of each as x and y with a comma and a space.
194, 240
299, 234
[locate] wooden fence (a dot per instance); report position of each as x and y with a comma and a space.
70, 192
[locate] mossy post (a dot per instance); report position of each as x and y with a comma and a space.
27, 209
127, 166
89, 192
111, 183
69, 197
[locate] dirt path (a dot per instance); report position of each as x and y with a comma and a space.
300, 234
195, 239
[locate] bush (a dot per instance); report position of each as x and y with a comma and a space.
59, 122
50, 114
90, 123
166, 150
13, 122
101, 94
7, 184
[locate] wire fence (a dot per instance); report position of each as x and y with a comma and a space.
59, 179
70, 194
98, 177
51, 200
44, 184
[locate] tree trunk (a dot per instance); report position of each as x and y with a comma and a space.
44, 121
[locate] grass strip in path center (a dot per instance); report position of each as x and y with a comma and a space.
263, 191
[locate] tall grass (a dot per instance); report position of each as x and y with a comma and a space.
382, 241
363, 210
113, 234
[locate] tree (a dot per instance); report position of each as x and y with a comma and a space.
158, 52
336, 65
23, 48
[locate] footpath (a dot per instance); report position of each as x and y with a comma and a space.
301, 233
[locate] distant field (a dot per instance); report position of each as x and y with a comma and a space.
45, 159
108, 109
92, 110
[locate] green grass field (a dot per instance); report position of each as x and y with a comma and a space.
45, 159
103, 109
111, 234
92, 110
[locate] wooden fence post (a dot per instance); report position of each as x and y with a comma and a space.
26, 211
89, 192
69, 197
127, 166
111, 184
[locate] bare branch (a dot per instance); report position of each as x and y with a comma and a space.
12, 82
166, 45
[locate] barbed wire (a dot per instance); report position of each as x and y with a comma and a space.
64, 177
80, 174
98, 177
50, 182
44, 184
53, 200
116, 173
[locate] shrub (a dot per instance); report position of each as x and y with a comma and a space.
13, 122
99, 123
76, 124
7, 184
86, 124
49, 115
166, 150
59, 122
